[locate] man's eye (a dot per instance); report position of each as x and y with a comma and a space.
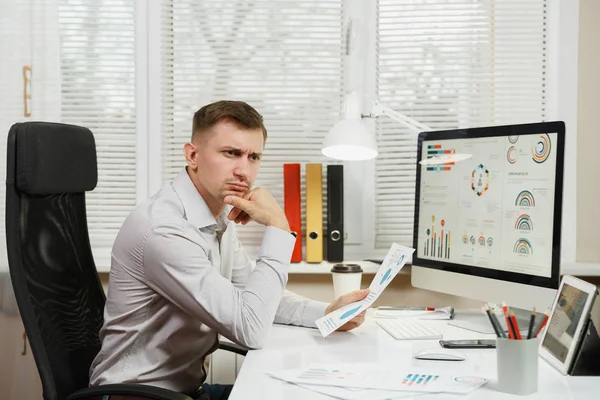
230, 152
255, 158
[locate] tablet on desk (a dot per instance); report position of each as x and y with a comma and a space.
568, 318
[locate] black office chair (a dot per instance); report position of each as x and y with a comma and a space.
50, 166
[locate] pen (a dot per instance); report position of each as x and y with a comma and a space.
542, 324
531, 322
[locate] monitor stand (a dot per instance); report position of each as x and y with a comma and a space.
477, 321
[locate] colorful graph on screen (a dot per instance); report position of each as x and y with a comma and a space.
419, 379
481, 241
541, 150
513, 139
437, 244
524, 223
436, 150
511, 155
525, 199
480, 180
522, 246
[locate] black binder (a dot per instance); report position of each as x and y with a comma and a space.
335, 213
587, 358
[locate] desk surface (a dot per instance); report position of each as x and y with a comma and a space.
293, 347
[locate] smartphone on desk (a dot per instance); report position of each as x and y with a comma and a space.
469, 344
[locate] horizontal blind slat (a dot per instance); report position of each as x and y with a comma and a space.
450, 64
282, 57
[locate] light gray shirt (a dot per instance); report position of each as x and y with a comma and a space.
179, 278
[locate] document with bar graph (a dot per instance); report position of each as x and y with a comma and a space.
373, 376
397, 256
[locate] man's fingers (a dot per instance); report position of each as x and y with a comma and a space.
356, 295
246, 219
233, 214
240, 203
243, 215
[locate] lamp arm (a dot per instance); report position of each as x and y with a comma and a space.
379, 109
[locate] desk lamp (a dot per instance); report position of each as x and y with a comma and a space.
349, 139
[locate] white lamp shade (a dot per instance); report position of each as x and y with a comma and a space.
349, 139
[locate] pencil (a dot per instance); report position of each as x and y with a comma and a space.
511, 328
531, 322
542, 324
513, 318
505, 311
495, 321
486, 309
495, 318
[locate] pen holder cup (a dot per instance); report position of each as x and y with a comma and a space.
517, 362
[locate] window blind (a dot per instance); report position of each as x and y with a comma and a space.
450, 64
282, 57
97, 65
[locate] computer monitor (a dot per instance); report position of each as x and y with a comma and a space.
487, 221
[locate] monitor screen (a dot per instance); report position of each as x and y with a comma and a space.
488, 202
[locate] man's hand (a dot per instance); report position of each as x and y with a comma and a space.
258, 205
348, 298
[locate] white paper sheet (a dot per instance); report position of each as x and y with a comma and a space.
373, 377
359, 394
392, 264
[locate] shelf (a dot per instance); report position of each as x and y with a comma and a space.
580, 269
325, 267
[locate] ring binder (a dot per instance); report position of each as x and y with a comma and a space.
314, 213
335, 213
291, 205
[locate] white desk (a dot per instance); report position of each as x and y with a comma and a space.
292, 347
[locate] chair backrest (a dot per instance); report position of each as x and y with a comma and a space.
61, 301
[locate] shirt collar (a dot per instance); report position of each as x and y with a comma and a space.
195, 207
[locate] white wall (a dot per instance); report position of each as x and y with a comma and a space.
588, 138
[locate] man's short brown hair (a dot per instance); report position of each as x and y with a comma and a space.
239, 112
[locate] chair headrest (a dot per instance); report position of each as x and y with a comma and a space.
54, 158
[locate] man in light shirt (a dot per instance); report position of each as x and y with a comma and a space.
179, 276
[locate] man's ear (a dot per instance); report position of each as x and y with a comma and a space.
191, 155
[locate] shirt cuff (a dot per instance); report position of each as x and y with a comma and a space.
313, 310
277, 244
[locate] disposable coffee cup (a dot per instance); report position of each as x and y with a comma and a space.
346, 278
517, 365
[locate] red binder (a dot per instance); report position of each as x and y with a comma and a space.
291, 205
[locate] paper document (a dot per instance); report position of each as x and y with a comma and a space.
359, 394
414, 312
392, 264
373, 377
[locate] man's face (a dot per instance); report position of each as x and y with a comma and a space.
224, 161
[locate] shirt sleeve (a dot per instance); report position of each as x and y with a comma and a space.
293, 308
178, 268
298, 310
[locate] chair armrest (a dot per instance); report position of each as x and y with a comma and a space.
235, 348
128, 389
